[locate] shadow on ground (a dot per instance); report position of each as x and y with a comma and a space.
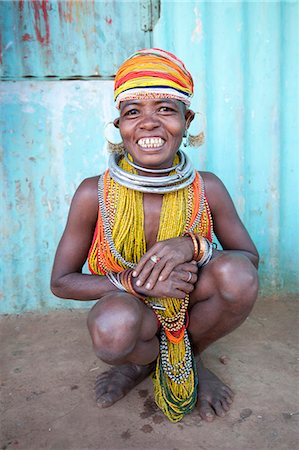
48, 370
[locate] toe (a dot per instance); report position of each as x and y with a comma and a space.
112, 390
101, 377
228, 391
100, 383
217, 405
110, 396
104, 400
205, 411
225, 405
227, 396
100, 390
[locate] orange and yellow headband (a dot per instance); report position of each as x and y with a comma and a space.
152, 73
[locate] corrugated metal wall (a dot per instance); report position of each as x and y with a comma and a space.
244, 58
65, 39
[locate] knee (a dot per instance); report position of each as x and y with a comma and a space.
114, 327
236, 281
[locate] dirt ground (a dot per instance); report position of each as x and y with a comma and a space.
48, 370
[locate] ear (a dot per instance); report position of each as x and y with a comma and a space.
116, 122
189, 116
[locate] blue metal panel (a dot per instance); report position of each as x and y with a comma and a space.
245, 64
289, 147
52, 138
69, 38
244, 59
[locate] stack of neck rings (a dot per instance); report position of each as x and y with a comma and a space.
119, 240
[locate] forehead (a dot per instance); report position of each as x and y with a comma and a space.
153, 102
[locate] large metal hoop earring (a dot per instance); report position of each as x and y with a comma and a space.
195, 140
111, 146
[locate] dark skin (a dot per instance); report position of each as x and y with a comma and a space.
123, 329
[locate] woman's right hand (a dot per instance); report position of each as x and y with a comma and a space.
180, 282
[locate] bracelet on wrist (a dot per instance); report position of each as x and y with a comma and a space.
126, 280
113, 277
202, 247
195, 244
206, 251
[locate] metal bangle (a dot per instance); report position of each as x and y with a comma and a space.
112, 277
194, 242
207, 253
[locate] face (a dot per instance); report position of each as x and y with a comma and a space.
152, 130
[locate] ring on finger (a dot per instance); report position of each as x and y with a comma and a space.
189, 277
155, 259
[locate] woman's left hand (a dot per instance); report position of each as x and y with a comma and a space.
158, 262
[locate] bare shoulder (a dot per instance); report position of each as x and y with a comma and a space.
87, 192
215, 190
85, 200
211, 180
88, 188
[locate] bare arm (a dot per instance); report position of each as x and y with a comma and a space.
228, 227
67, 280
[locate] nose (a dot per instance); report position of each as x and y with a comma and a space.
149, 121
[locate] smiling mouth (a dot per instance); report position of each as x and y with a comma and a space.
152, 142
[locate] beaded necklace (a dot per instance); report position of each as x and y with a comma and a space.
119, 242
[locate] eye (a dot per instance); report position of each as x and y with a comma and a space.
166, 109
131, 112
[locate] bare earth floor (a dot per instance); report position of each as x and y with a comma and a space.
48, 370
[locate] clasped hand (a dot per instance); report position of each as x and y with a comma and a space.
167, 269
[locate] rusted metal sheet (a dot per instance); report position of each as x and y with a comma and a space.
65, 39
242, 57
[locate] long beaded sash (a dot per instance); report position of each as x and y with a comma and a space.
175, 377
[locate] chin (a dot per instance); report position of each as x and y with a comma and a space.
155, 162
153, 158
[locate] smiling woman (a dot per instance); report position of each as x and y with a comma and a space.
163, 292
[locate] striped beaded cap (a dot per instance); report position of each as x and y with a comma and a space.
152, 73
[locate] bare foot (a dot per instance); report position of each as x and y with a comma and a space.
116, 382
214, 397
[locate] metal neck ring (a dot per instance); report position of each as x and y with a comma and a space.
144, 169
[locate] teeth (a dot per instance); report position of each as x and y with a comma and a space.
150, 142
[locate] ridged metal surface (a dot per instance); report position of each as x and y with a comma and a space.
244, 59
64, 39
